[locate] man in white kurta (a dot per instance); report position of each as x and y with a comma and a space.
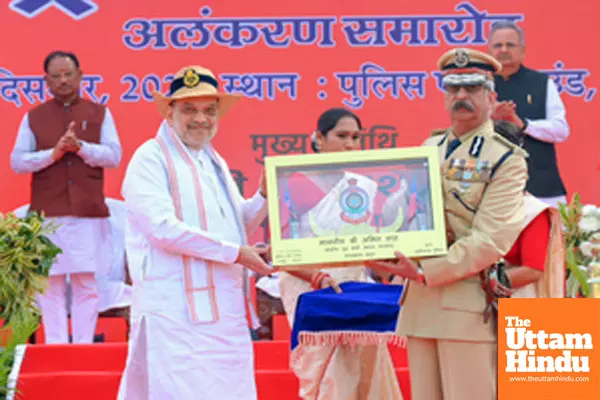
65, 143
186, 241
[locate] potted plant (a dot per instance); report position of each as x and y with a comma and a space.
26, 255
582, 240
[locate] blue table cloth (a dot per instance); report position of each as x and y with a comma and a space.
362, 307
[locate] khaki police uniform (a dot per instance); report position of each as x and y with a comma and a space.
452, 352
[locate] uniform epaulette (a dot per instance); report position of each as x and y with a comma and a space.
510, 145
437, 132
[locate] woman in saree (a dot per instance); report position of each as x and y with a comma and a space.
536, 262
329, 205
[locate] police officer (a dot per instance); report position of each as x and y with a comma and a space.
451, 349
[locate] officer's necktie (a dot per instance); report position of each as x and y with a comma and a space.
454, 143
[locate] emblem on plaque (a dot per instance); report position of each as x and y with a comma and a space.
354, 202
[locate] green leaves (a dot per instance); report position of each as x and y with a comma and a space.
578, 274
21, 329
26, 255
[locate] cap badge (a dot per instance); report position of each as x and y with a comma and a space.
461, 58
191, 78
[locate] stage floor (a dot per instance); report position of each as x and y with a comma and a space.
93, 372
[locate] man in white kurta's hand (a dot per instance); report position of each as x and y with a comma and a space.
186, 241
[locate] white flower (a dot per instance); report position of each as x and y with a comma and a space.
590, 249
589, 210
586, 249
589, 224
594, 266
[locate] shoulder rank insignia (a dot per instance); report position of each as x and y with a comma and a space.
476, 146
510, 145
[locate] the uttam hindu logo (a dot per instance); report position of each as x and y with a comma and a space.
526, 347
547, 349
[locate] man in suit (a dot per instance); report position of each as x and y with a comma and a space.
451, 349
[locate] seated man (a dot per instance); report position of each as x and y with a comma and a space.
115, 292
268, 299
114, 284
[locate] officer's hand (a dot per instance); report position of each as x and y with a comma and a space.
450, 236
401, 266
252, 258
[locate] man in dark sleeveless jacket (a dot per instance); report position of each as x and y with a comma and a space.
530, 100
65, 143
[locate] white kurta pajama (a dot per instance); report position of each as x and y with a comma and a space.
78, 238
189, 334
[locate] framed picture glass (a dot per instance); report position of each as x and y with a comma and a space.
340, 209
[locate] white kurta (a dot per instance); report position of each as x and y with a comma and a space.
112, 289
171, 356
77, 237
114, 292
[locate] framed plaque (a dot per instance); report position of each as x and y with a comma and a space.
340, 209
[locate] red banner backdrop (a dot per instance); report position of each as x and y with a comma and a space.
291, 61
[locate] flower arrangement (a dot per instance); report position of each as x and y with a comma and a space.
26, 255
582, 242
